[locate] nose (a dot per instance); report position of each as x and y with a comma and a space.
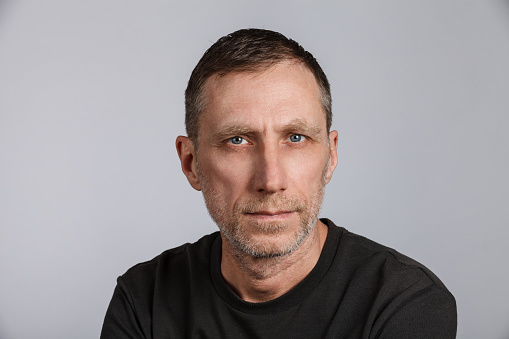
269, 173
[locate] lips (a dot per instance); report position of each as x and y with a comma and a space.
269, 212
270, 207
270, 215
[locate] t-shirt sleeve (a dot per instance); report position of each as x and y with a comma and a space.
121, 321
430, 313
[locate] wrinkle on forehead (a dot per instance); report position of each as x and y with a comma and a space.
217, 85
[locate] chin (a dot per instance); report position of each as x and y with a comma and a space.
270, 240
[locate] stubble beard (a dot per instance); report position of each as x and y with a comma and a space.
235, 229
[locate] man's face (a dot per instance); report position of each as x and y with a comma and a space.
264, 157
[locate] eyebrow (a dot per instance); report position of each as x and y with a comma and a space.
233, 130
296, 125
301, 126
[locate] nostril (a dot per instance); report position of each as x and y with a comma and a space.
270, 181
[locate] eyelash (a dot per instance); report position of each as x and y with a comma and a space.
236, 137
301, 138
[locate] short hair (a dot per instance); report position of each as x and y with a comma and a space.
248, 50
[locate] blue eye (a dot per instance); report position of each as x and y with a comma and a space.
237, 140
296, 138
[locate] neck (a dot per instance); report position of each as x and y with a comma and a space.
264, 279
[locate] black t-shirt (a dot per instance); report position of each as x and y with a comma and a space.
358, 289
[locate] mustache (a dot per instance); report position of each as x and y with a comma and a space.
271, 203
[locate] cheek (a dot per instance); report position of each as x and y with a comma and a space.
307, 171
226, 176
308, 180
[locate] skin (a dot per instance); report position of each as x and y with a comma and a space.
264, 159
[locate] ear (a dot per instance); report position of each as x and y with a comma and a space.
187, 155
333, 151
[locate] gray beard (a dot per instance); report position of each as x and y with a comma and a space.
241, 242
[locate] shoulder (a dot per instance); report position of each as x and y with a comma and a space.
404, 295
357, 253
171, 262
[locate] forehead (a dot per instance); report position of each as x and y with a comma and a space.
285, 91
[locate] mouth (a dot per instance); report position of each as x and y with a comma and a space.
270, 215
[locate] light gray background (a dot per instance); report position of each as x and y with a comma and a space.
91, 100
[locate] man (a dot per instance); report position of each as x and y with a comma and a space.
259, 147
